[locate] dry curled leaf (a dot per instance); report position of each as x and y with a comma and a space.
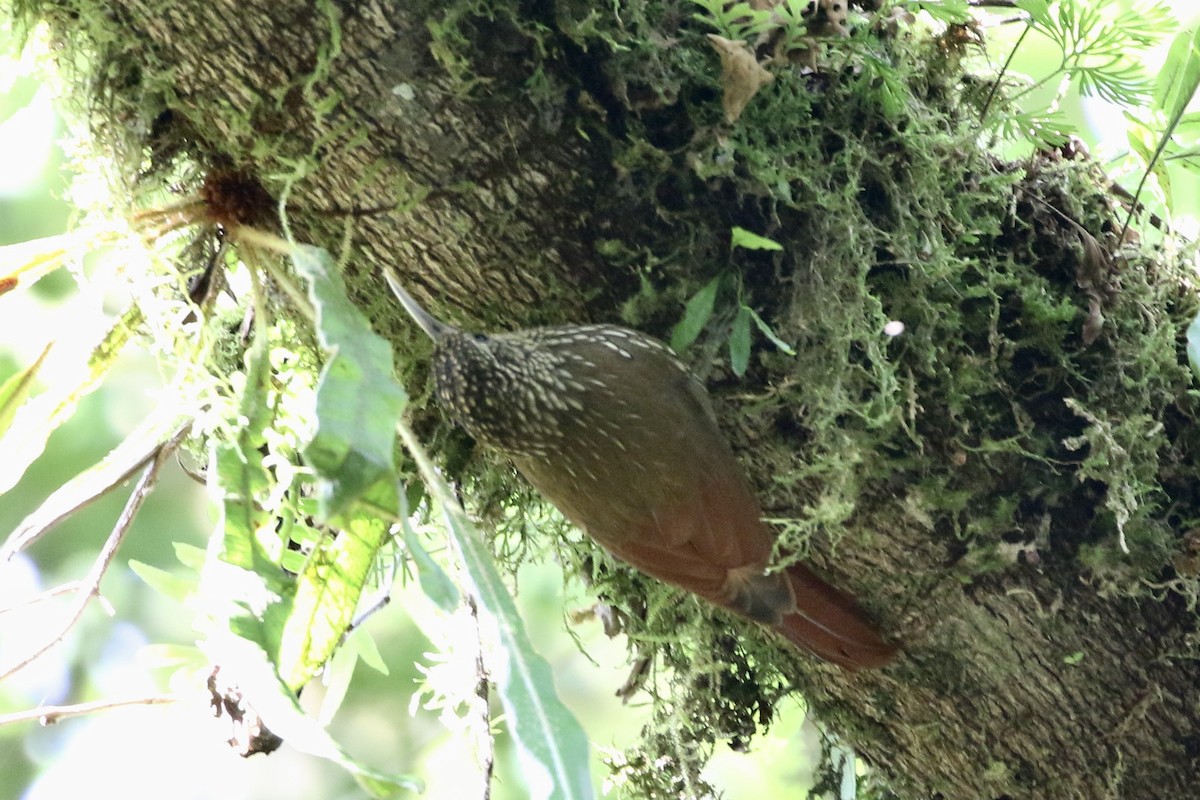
741, 75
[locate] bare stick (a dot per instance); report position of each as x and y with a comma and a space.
85, 488
49, 715
485, 743
479, 706
41, 597
90, 586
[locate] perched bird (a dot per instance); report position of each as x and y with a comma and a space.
615, 431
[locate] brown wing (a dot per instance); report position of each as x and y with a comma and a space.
651, 478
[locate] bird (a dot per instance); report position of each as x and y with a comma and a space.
615, 431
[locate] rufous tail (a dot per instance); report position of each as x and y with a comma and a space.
828, 622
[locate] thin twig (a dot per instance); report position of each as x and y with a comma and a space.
485, 743
41, 597
480, 710
90, 586
49, 715
364, 615
76, 494
987, 104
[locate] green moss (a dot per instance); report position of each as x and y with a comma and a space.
990, 420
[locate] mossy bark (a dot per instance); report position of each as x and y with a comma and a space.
972, 479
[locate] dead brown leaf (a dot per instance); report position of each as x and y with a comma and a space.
741, 75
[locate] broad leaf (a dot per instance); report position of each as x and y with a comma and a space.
699, 310
551, 743
740, 237
739, 342
358, 399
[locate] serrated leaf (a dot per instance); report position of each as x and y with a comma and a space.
699, 310
298, 622
551, 743
740, 237
739, 343
254, 618
358, 399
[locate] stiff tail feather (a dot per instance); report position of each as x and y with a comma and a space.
829, 623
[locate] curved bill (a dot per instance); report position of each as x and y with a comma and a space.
427, 321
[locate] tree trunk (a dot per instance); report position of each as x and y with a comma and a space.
971, 479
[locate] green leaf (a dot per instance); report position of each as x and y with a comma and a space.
18, 90
189, 555
252, 612
327, 592
269, 633
740, 237
16, 389
1038, 11
739, 342
368, 651
699, 310
1188, 128
434, 581
168, 584
261, 687
1177, 84
21, 445
242, 587
121, 463
358, 399
551, 743
336, 678
953, 12
1142, 140
298, 622
1179, 76
770, 333
550, 740
169, 655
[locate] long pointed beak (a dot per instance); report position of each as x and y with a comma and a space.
427, 321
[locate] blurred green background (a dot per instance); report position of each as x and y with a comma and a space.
152, 752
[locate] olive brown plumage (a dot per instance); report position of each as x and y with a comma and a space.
614, 430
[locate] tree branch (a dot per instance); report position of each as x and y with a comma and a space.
90, 586
50, 715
